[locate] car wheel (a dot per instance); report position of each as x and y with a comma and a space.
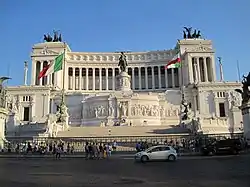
144, 158
171, 158
213, 152
235, 152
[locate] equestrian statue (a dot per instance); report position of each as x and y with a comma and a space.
187, 33
245, 93
123, 62
56, 37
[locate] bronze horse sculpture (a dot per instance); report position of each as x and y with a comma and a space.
187, 33
245, 93
56, 38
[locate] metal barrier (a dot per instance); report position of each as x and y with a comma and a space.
125, 143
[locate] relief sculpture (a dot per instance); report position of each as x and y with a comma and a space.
96, 111
234, 99
123, 106
12, 104
145, 110
111, 109
153, 110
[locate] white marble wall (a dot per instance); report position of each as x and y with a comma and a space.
3, 116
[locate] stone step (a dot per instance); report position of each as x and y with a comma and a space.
121, 131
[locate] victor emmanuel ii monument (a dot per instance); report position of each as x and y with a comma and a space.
127, 93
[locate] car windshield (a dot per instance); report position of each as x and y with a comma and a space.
155, 149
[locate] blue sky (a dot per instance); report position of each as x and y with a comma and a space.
112, 25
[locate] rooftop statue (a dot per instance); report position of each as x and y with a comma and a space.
2, 92
2, 79
245, 93
187, 33
123, 62
56, 38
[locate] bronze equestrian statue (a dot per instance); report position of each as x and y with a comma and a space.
187, 33
56, 38
123, 62
245, 93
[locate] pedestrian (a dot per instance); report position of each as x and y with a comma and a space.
58, 151
101, 151
86, 148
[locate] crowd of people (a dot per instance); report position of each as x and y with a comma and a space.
92, 150
98, 150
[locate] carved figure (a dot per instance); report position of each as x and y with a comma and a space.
96, 112
185, 106
123, 108
187, 33
62, 112
234, 99
162, 111
111, 109
122, 62
245, 93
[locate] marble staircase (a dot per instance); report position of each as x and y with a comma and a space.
121, 131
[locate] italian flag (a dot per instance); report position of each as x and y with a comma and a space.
176, 61
52, 67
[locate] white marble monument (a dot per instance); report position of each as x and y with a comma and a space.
99, 94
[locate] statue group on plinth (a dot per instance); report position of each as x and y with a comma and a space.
245, 105
188, 34
245, 93
123, 79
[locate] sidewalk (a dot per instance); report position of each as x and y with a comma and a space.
77, 155
82, 155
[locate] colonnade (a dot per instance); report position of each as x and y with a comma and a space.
48, 80
202, 69
142, 78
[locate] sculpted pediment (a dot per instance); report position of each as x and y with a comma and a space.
200, 48
45, 51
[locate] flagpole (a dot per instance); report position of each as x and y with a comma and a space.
64, 67
8, 73
221, 69
238, 69
182, 82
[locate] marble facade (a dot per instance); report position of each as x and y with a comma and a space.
97, 94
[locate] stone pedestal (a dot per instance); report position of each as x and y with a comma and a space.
245, 110
123, 82
13, 122
64, 116
3, 116
236, 119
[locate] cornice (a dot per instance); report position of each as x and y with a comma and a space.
51, 45
28, 88
195, 42
114, 64
114, 57
216, 85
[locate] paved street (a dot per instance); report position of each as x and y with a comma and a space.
228, 171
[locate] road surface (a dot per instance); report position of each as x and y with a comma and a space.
219, 171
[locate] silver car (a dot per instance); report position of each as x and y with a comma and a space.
159, 152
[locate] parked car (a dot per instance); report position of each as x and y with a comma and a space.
159, 152
228, 146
